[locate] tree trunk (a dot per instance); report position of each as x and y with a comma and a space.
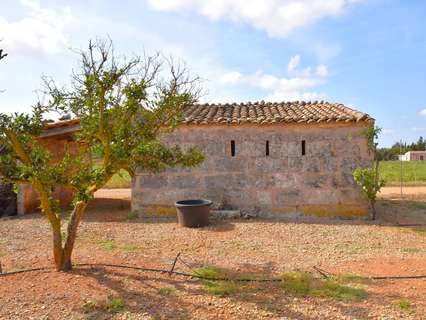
373, 210
73, 224
58, 253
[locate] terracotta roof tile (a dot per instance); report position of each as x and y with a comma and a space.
62, 123
259, 113
272, 112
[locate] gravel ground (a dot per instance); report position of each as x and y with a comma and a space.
267, 246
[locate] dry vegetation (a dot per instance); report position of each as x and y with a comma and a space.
287, 249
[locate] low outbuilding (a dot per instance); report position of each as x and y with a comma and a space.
266, 158
262, 158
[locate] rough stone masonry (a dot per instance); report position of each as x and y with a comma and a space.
267, 158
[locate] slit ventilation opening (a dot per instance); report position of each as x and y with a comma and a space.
232, 148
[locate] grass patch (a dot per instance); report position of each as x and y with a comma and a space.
403, 304
296, 283
167, 291
300, 284
420, 231
209, 272
304, 284
130, 247
219, 288
89, 306
413, 172
132, 216
334, 290
120, 180
115, 304
411, 250
3, 253
350, 278
112, 304
109, 244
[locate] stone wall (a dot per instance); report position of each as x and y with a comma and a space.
319, 182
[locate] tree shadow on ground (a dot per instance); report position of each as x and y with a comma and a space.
402, 211
149, 296
144, 293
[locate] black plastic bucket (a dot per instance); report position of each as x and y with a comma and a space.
193, 213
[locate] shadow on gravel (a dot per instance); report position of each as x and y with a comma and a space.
163, 297
404, 212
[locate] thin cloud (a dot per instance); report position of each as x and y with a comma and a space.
41, 31
277, 17
418, 129
293, 63
300, 86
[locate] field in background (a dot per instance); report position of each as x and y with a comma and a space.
413, 172
121, 180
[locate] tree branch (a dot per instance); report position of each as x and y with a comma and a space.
2, 55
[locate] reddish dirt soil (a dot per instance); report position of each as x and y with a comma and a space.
107, 235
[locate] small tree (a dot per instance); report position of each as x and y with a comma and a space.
123, 107
368, 178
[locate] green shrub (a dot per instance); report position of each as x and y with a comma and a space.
403, 304
132, 215
115, 304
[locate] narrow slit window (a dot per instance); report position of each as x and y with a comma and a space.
267, 148
233, 148
303, 147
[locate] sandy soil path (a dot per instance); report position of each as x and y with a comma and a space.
124, 194
407, 191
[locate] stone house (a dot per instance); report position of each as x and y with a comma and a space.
267, 158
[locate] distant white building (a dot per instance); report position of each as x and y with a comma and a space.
413, 156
